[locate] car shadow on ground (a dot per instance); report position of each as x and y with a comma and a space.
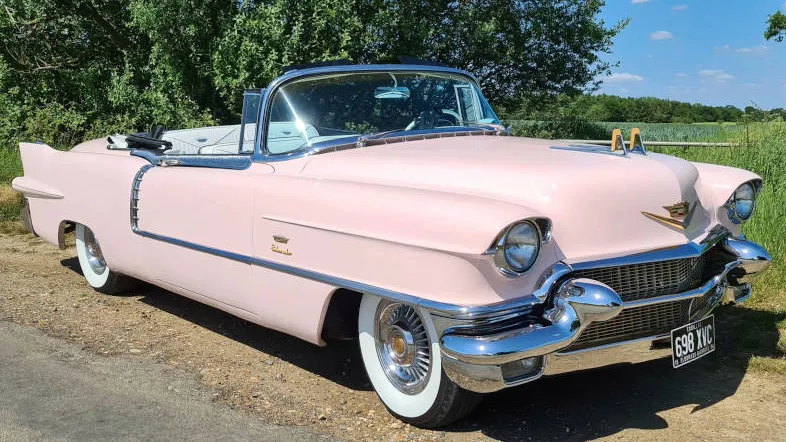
576, 406
603, 402
339, 362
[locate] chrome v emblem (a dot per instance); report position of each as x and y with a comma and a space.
679, 217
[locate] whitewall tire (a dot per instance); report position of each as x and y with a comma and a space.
94, 268
401, 354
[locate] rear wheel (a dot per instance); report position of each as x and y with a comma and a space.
402, 358
94, 267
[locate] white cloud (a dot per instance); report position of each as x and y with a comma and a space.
725, 47
623, 77
661, 35
710, 72
758, 50
681, 74
639, 1
679, 8
719, 75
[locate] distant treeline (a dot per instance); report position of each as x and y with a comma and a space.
645, 110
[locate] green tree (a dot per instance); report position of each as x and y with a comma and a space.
78, 68
776, 26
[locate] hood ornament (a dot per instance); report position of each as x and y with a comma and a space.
679, 217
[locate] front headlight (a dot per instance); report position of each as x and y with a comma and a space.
742, 202
517, 249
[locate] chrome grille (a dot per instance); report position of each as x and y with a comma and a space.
634, 323
650, 279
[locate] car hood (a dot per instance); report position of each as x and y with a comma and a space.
594, 200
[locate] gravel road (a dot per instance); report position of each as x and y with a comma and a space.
53, 390
285, 381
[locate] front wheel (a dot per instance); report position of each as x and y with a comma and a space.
94, 267
401, 354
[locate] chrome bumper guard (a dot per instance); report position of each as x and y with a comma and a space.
502, 358
26, 219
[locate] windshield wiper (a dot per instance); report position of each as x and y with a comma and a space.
492, 126
361, 141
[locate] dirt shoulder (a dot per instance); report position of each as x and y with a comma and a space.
286, 381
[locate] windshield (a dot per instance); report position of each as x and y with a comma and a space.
344, 106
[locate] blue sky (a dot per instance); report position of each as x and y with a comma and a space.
706, 51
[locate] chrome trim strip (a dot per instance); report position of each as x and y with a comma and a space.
435, 307
715, 281
135, 186
730, 204
591, 148
626, 352
260, 154
689, 250
521, 305
233, 162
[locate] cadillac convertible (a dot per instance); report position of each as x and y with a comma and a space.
387, 203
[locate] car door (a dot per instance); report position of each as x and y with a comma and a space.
198, 227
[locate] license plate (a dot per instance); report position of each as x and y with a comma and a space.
693, 341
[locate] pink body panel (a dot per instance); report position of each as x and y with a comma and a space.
411, 217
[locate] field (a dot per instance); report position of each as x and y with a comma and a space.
591, 130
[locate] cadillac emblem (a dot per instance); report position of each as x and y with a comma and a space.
679, 215
679, 210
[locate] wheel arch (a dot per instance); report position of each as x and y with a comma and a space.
339, 322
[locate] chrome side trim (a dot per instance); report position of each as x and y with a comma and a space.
233, 162
135, 186
521, 305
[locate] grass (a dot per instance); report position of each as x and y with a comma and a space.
759, 329
10, 203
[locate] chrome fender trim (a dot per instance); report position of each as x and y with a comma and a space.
753, 258
578, 302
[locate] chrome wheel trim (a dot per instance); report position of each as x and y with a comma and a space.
95, 259
403, 347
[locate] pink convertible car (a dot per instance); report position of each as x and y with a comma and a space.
388, 203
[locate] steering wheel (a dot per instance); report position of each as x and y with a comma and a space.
427, 119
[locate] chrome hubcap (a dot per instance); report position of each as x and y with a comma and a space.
94, 257
403, 347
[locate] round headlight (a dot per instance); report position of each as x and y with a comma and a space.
741, 204
521, 246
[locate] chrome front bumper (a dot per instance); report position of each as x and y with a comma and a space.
502, 355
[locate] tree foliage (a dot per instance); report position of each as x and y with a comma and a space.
619, 109
776, 26
76, 68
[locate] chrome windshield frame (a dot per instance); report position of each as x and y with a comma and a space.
260, 151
